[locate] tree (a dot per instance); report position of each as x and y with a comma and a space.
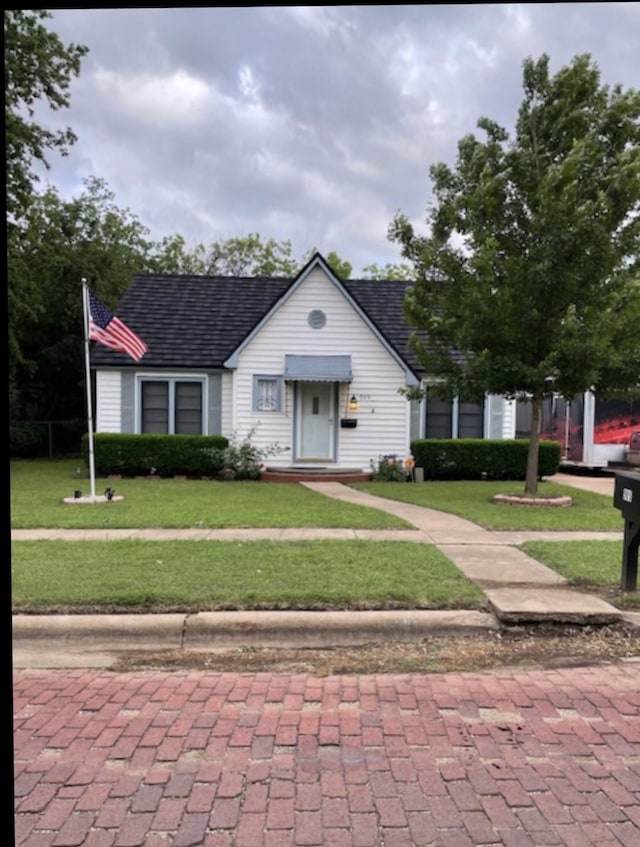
62, 242
238, 256
341, 267
527, 281
389, 271
37, 67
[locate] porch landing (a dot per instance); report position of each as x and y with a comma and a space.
297, 473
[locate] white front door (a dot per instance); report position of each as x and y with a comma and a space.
316, 415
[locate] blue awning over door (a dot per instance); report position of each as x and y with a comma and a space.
317, 368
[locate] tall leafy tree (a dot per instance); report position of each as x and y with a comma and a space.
62, 242
341, 267
527, 280
38, 69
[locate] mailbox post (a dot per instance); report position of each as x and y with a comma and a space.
626, 498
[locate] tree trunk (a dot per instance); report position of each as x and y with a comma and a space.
531, 480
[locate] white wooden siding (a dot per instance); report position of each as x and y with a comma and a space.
383, 414
228, 420
108, 401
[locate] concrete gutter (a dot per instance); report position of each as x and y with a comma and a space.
98, 640
208, 630
83, 641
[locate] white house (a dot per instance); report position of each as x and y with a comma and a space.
313, 364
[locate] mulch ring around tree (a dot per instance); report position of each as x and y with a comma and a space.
532, 500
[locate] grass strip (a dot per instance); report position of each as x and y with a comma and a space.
473, 500
585, 564
201, 575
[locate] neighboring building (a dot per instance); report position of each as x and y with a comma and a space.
313, 363
594, 432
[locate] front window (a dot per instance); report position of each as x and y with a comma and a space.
439, 418
171, 406
267, 394
188, 408
445, 419
470, 420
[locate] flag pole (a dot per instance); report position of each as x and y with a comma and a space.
85, 311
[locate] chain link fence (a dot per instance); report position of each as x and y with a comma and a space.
45, 439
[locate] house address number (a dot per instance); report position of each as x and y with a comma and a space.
627, 495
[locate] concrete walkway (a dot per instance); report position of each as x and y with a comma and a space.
518, 588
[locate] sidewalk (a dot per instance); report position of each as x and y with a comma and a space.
518, 589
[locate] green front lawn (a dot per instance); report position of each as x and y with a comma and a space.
206, 575
39, 487
191, 575
472, 500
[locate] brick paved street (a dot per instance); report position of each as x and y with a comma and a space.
514, 757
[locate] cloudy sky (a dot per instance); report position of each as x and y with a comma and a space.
308, 124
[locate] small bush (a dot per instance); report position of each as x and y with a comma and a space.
242, 459
389, 469
479, 458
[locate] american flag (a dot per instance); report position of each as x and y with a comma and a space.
109, 330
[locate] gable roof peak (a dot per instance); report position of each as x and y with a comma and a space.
318, 260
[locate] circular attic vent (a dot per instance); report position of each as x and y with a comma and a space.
317, 319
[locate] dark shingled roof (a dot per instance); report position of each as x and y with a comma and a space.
383, 303
197, 322
191, 321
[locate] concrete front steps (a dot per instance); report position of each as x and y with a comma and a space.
314, 473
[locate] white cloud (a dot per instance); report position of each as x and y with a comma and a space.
157, 101
326, 21
248, 85
517, 18
312, 124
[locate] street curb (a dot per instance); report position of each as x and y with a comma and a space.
221, 630
122, 632
208, 630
